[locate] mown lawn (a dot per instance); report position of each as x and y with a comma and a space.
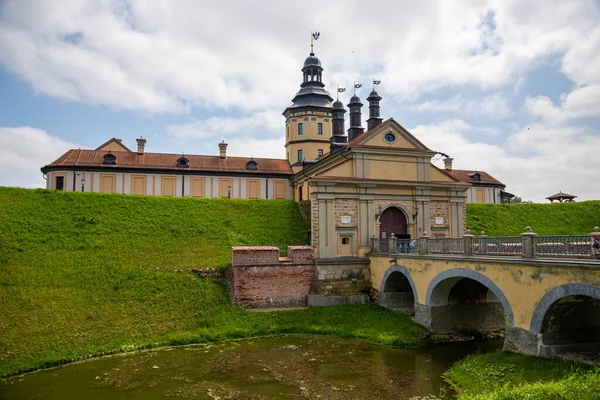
545, 219
91, 273
504, 376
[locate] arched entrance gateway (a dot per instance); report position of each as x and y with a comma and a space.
392, 220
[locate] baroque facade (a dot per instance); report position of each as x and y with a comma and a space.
361, 185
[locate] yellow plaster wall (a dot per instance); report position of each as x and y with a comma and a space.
397, 191
310, 132
309, 150
377, 140
523, 285
439, 176
113, 146
393, 170
345, 169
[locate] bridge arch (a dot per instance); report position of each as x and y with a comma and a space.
552, 296
440, 288
398, 289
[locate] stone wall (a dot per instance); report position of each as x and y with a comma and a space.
337, 277
259, 278
345, 207
439, 209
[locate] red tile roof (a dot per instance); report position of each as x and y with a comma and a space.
95, 158
463, 176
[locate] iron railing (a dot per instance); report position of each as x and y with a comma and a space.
527, 245
396, 245
498, 246
564, 246
447, 246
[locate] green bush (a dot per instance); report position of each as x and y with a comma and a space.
544, 219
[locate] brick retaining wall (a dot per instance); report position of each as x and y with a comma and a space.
259, 278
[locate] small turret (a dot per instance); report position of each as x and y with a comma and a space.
356, 128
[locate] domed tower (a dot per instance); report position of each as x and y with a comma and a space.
308, 119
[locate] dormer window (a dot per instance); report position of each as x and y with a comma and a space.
475, 176
110, 159
252, 165
183, 162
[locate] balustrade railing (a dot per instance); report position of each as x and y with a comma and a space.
396, 245
447, 246
565, 246
498, 246
527, 245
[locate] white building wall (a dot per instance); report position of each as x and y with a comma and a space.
153, 183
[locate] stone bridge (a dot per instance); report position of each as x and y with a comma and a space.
546, 306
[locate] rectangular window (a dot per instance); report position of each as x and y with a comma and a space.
108, 183
168, 185
279, 190
59, 183
197, 187
320, 128
138, 184
300, 128
252, 189
299, 155
320, 152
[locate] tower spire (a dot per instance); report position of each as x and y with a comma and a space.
313, 36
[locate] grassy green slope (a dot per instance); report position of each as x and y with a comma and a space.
504, 376
544, 219
89, 273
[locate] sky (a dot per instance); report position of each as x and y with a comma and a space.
507, 87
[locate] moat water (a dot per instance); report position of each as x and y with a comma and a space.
282, 367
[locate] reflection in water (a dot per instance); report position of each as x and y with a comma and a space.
286, 367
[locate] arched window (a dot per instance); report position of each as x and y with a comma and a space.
109, 159
252, 165
183, 162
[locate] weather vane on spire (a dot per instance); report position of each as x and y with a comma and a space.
340, 90
357, 86
314, 36
375, 82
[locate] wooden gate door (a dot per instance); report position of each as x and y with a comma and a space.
392, 220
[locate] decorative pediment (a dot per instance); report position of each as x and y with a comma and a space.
389, 134
113, 145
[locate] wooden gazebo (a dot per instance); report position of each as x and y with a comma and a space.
561, 198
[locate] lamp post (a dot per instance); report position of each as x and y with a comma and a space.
228, 192
82, 184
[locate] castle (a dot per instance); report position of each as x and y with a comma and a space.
360, 184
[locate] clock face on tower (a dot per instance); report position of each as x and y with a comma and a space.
389, 137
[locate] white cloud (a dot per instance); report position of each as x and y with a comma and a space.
581, 102
533, 162
260, 124
494, 106
158, 57
23, 150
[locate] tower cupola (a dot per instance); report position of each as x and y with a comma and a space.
308, 119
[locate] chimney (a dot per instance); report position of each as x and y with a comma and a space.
223, 149
338, 139
374, 116
141, 142
355, 118
448, 163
